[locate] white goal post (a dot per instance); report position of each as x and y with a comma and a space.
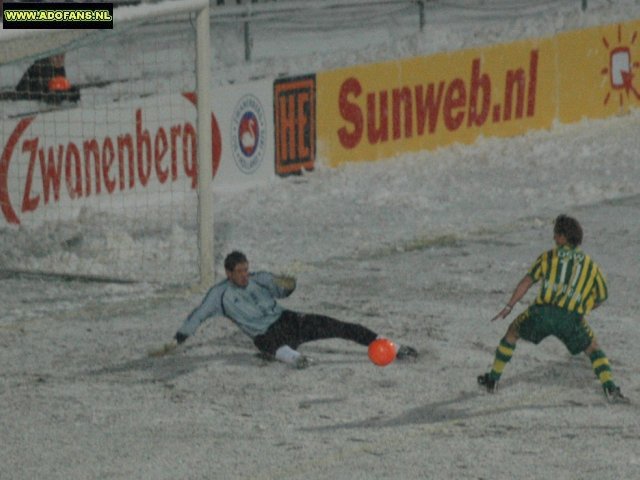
116, 185
205, 194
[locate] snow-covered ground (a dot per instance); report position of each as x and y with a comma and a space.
425, 248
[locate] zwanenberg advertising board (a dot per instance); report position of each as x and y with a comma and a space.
115, 157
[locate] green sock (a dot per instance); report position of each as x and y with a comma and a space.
504, 352
602, 369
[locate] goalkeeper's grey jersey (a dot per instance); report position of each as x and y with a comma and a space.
252, 308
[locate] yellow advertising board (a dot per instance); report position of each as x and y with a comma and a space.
374, 111
597, 71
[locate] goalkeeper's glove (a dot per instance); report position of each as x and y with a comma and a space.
285, 282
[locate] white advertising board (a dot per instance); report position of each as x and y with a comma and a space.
123, 154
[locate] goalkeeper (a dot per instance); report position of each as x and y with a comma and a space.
248, 300
572, 286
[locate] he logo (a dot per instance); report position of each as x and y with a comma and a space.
620, 69
295, 124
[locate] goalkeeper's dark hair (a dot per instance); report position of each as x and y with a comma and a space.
570, 228
233, 259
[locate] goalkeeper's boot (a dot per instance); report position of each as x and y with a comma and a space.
302, 362
488, 382
614, 395
405, 351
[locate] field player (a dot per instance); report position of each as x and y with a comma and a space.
249, 301
572, 286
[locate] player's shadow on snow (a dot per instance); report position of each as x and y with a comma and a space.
465, 406
437, 412
149, 369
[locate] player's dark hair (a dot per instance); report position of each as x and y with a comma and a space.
570, 228
233, 259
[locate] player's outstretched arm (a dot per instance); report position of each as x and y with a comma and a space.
521, 289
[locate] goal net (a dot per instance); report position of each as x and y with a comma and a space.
99, 172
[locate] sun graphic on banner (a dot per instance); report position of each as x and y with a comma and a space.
620, 69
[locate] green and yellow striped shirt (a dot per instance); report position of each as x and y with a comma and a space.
570, 280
